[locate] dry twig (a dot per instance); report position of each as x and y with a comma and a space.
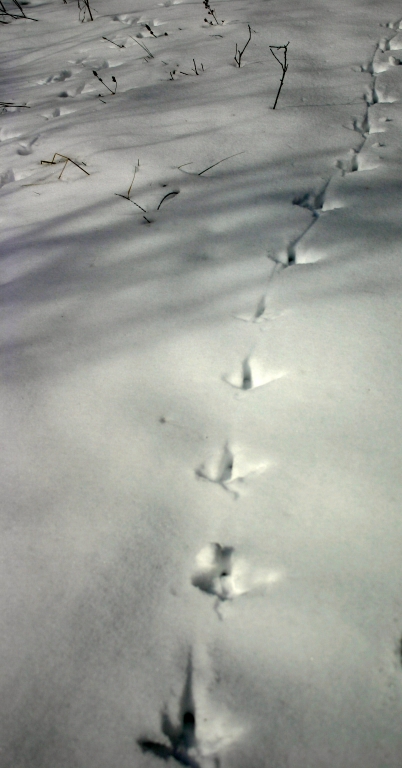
284, 64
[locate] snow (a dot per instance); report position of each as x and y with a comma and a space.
201, 385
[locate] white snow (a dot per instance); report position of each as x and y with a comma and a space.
201, 385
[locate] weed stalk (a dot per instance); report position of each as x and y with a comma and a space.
239, 53
284, 65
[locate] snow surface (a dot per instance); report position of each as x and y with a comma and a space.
201, 496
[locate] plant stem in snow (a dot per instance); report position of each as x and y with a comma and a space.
10, 104
67, 160
127, 196
111, 41
144, 47
210, 13
22, 15
284, 64
106, 86
219, 161
82, 5
169, 194
239, 53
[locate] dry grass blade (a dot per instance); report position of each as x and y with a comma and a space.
131, 201
143, 46
219, 161
67, 159
169, 194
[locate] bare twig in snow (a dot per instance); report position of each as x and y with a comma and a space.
83, 8
239, 53
22, 14
284, 65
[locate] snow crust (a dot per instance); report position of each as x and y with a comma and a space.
201, 386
